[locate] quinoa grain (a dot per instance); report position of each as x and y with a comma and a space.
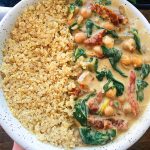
38, 67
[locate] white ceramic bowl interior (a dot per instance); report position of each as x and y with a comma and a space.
3, 11
27, 140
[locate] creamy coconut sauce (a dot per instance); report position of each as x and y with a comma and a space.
93, 42
135, 22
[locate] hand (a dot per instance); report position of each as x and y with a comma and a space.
16, 147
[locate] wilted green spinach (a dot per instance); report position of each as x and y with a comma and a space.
112, 82
99, 74
104, 2
114, 56
81, 110
144, 71
137, 39
89, 27
118, 85
94, 137
78, 53
108, 85
79, 2
72, 8
110, 32
141, 85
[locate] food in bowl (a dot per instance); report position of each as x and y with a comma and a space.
76, 73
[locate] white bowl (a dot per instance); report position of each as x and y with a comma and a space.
29, 141
3, 11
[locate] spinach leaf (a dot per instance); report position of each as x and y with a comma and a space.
113, 62
118, 85
144, 71
72, 8
92, 64
81, 112
112, 82
79, 52
96, 65
108, 85
141, 85
89, 27
81, 109
108, 52
114, 56
104, 2
110, 32
100, 75
94, 137
90, 24
79, 2
137, 39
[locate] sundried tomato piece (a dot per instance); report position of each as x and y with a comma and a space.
96, 39
75, 91
108, 14
131, 96
109, 123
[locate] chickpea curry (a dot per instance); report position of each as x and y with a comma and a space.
113, 69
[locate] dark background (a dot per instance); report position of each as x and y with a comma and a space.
11, 3
8, 3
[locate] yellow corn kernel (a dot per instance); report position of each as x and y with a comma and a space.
104, 105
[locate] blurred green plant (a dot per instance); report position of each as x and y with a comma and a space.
133, 1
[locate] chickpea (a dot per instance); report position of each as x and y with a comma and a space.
121, 99
137, 61
127, 108
109, 26
109, 111
98, 50
125, 60
111, 93
80, 37
108, 41
129, 45
125, 21
85, 12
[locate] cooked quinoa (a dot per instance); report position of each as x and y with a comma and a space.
38, 73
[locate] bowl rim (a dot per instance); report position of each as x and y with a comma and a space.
34, 144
